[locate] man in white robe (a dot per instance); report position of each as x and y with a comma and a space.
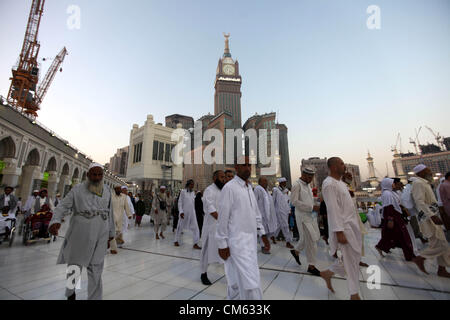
282, 209
308, 228
160, 212
90, 229
211, 198
431, 224
267, 210
125, 218
40, 200
238, 225
343, 224
8, 206
119, 205
30, 201
187, 217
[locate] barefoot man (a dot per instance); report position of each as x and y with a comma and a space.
343, 224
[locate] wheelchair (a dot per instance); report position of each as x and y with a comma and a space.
28, 236
9, 236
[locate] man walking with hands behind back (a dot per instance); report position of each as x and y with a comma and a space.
345, 234
237, 228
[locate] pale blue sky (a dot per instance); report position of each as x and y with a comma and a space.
339, 87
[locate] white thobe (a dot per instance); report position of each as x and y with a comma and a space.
438, 246
308, 229
407, 201
282, 209
210, 253
125, 215
119, 206
186, 205
267, 210
238, 225
86, 239
342, 217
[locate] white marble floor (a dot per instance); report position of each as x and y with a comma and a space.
146, 268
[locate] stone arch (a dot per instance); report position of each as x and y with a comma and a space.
76, 173
33, 158
51, 165
7, 148
65, 169
84, 176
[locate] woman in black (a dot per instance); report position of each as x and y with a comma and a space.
199, 210
140, 210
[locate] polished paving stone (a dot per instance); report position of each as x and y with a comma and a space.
146, 268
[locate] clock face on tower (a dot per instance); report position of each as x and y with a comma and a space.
228, 69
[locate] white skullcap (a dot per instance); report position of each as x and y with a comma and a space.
124, 187
94, 165
282, 179
162, 187
419, 168
309, 170
35, 191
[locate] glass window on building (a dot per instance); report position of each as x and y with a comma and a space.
155, 150
168, 152
137, 154
161, 151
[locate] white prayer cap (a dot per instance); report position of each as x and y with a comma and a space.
124, 187
282, 179
419, 168
35, 191
308, 170
94, 165
162, 187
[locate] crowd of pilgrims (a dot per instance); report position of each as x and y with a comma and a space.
231, 215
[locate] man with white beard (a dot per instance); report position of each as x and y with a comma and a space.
188, 219
430, 222
211, 198
283, 209
90, 229
345, 234
267, 210
308, 229
238, 225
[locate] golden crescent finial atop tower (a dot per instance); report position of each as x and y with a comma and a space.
227, 44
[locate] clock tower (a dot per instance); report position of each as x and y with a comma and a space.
227, 96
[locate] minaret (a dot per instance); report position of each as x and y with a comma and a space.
372, 178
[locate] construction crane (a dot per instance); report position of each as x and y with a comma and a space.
439, 139
23, 92
416, 142
398, 145
50, 75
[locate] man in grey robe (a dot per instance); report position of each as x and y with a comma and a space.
90, 230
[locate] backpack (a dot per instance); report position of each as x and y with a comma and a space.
162, 204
